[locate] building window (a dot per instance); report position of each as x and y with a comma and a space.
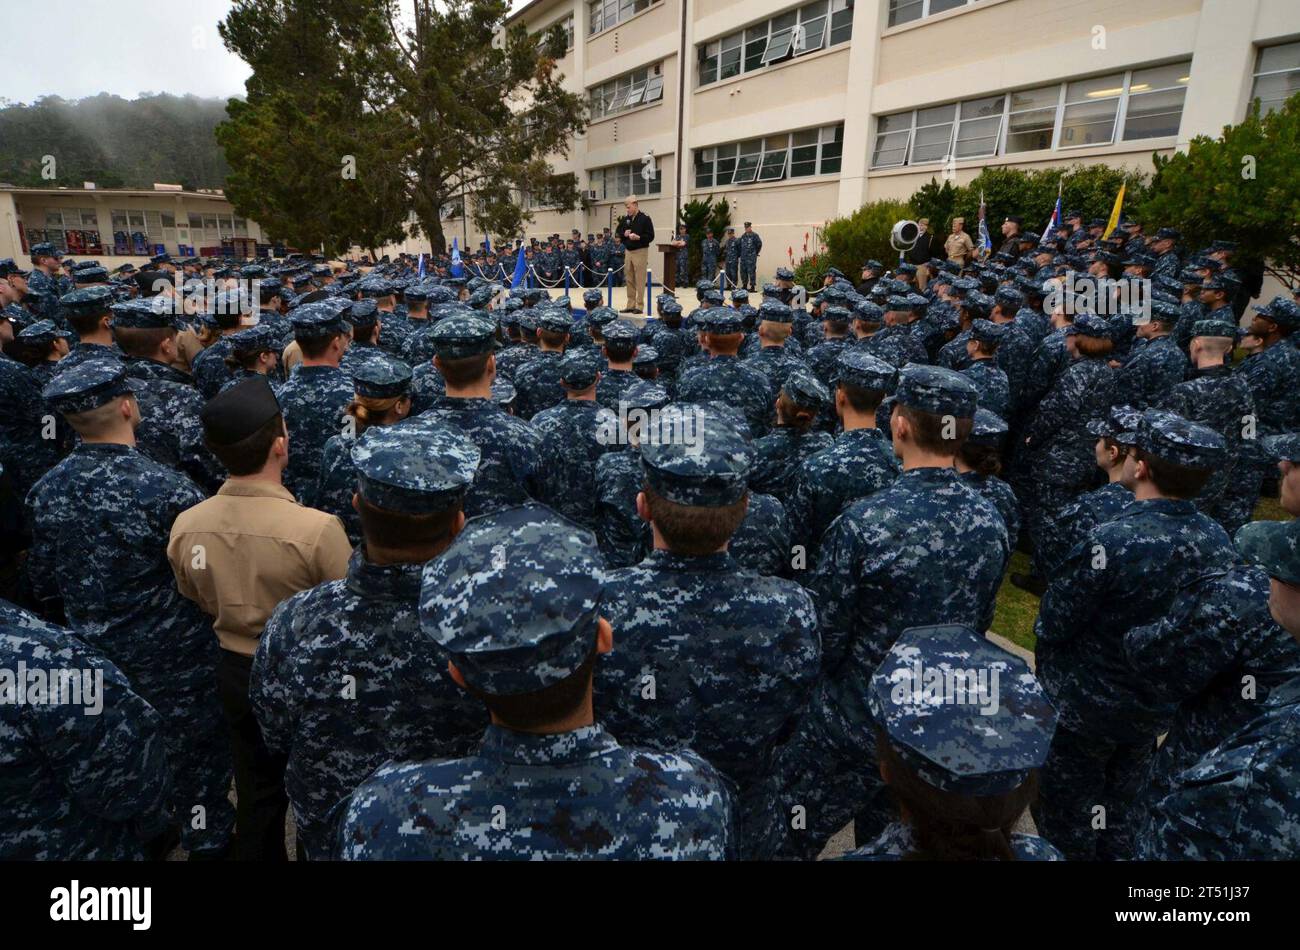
803, 30
1144, 103
637, 88
788, 155
620, 181
609, 13
905, 11
1277, 76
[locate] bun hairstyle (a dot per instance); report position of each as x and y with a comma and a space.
794, 415
370, 410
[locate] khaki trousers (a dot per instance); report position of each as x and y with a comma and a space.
634, 273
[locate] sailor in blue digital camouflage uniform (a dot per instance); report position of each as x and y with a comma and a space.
858, 463
773, 357
1241, 800
1125, 573
231, 310
45, 281
317, 392
895, 344
1213, 660
87, 312
751, 245
537, 381
1071, 523
49, 344
169, 431
979, 463
962, 726
509, 447
822, 357
779, 454
731, 257
574, 435
709, 249
620, 346
709, 656
343, 679
383, 398
1273, 373
365, 320
1057, 458
723, 377
1215, 396
1155, 364
254, 351
100, 525
516, 605
926, 549
989, 378
624, 537
86, 777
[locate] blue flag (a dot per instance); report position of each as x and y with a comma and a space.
419, 274
986, 242
1053, 223
521, 268
456, 269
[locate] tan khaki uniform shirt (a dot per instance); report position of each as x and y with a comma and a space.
959, 247
250, 546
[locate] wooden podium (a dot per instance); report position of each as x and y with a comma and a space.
668, 277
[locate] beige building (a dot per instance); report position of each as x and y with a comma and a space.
800, 112
116, 226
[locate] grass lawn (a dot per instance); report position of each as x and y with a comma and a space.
1016, 609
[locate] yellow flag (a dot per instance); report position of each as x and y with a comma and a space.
1113, 223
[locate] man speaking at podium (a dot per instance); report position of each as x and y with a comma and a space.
637, 231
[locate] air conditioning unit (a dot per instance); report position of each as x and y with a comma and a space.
591, 194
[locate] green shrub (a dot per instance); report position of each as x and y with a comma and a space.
863, 235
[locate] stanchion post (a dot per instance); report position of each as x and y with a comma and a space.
609, 285
649, 292
567, 273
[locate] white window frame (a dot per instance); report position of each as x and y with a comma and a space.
1131, 95
713, 48
1123, 98
756, 160
925, 11
1258, 73
640, 87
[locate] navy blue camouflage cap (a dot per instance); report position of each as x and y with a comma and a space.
714, 297
938, 391
465, 334
869, 312
1282, 448
988, 429
899, 302
1089, 324
45, 249
254, 339
374, 287
1274, 546
416, 293
554, 320
1223, 280
905, 268
1216, 328
968, 716
855, 367
147, 313
739, 295
515, 600
416, 472
722, 320
42, 333
836, 315
1120, 424
621, 331
806, 390
645, 356
89, 275
602, 316
978, 305
773, 311
986, 331
784, 273
1162, 311
8, 267
363, 313
1170, 234
645, 395
317, 321
1283, 312
1173, 439
382, 377
592, 298
1009, 297
670, 307
873, 265
579, 368
88, 385
696, 456
87, 300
